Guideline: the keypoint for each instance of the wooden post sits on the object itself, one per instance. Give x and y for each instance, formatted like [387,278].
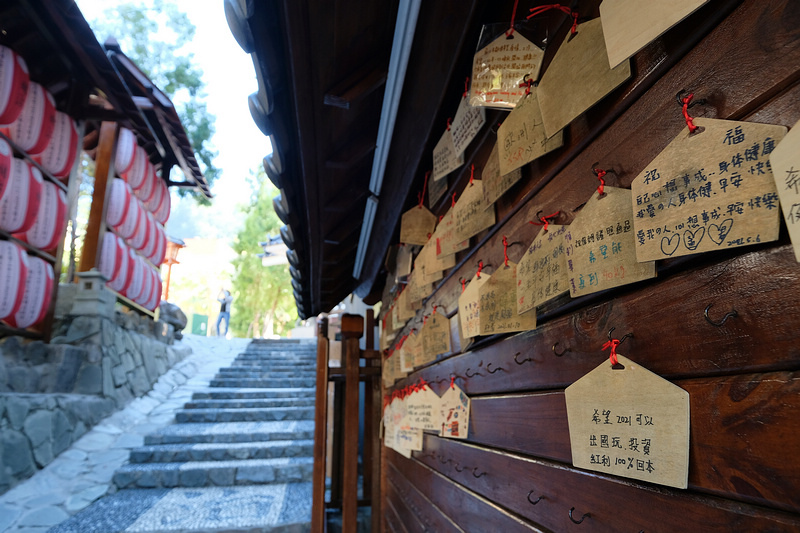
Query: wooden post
[352,329]
[320,434]
[373,440]
[103,172]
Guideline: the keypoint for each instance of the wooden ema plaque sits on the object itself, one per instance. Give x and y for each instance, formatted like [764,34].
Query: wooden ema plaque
[466,124]
[454,413]
[435,336]
[630,25]
[498,304]
[578,77]
[542,271]
[445,158]
[522,138]
[498,69]
[709,190]
[445,237]
[495,184]
[470,214]
[417,225]
[786,171]
[629,422]
[424,409]
[600,245]
[469,306]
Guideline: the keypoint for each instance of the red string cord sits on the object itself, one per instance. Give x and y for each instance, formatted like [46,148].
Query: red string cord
[421,196]
[452,382]
[480,269]
[454,201]
[471,175]
[527,84]
[541,9]
[510,30]
[613,343]
[689,120]
[434,309]
[466,87]
[463,284]
[505,250]
[544,220]
[599,172]
[449,121]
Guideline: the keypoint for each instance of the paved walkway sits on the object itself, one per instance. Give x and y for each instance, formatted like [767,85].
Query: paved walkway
[83,473]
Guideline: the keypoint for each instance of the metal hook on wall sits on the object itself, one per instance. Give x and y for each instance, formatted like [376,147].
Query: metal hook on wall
[537,500]
[498,369]
[559,354]
[516,360]
[458,469]
[623,337]
[732,314]
[477,475]
[585,515]
[472,375]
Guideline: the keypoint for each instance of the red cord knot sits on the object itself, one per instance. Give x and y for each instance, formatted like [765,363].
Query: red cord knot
[463,284]
[471,175]
[480,269]
[689,120]
[449,121]
[510,30]
[452,204]
[434,309]
[505,250]
[452,382]
[613,343]
[541,9]
[599,172]
[545,221]
[421,196]
[466,87]
[527,83]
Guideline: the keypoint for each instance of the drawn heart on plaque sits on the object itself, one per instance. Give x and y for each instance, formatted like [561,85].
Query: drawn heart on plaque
[691,239]
[670,244]
[721,231]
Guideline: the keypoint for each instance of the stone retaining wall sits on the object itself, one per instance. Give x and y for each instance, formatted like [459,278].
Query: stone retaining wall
[34,428]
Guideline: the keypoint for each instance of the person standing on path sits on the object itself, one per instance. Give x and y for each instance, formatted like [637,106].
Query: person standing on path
[225,299]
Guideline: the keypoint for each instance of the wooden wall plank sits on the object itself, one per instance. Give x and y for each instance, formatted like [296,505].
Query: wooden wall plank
[614,504]
[430,515]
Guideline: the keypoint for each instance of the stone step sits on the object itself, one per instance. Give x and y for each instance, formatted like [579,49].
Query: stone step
[194,433]
[282,374]
[214,473]
[280,361]
[245,404]
[232,451]
[252,394]
[279,356]
[276,508]
[262,383]
[185,416]
[268,365]
[306,369]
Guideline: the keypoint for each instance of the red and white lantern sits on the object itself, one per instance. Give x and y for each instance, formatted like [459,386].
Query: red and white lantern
[151,243]
[110,256]
[19,204]
[123,270]
[162,213]
[14,85]
[127,229]
[142,233]
[126,151]
[13,276]
[134,286]
[159,190]
[157,257]
[147,285]
[119,201]
[145,192]
[37,294]
[6,162]
[34,127]
[61,151]
[48,228]
[135,176]
[155,294]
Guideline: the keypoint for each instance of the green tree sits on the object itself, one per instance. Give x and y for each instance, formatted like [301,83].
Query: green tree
[262,295]
[153,37]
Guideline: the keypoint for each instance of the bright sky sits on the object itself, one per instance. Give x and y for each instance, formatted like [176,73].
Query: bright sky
[230,78]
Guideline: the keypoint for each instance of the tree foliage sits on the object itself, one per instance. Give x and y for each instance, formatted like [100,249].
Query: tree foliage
[154,36]
[262,295]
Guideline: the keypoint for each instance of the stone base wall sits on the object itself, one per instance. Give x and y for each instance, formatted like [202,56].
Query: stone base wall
[34,428]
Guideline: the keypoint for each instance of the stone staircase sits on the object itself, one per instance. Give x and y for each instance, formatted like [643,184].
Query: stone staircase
[245,443]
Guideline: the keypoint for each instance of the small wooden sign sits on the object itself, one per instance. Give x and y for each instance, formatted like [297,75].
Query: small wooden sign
[445,237]
[404,260]
[445,157]
[630,25]
[408,438]
[469,306]
[436,189]
[542,271]
[498,69]
[786,171]
[498,305]
[424,408]
[631,423]
[710,190]
[600,245]
[436,336]
[454,413]
[416,225]
[417,290]
[405,311]
[466,124]
[413,346]
[521,138]
[431,266]
[470,213]
[495,184]
[578,77]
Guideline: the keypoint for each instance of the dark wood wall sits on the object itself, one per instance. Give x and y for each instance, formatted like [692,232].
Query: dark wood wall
[743,377]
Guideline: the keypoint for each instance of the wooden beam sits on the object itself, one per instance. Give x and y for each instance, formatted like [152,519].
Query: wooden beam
[352,329]
[355,87]
[104,171]
[320,432]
